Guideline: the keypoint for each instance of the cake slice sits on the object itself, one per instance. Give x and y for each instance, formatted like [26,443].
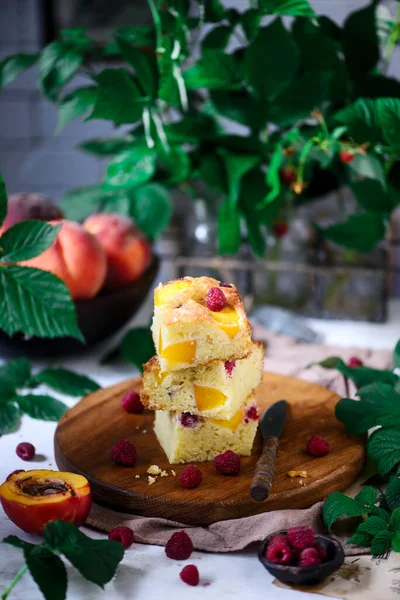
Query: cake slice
[215,390]
[186,333]
[189,438]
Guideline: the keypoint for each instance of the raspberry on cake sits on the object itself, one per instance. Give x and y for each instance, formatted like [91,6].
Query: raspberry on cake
[187,333]
[198,439]
[211,390]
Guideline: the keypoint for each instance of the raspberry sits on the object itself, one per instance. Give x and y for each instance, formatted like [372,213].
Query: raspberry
[321,551]
[124,453]
[346,157]
[227,463]
[309,558]
[279,539]
[229,366]
[215,299]
[123,535]
[354,362]
[317,446]
[280,229]
[288,175]
[190,575]
[279,552]
[131,403]
[25,450]
[252,413]
[15,472]
[190,477]
[189,420]
[301,537]
[179,546]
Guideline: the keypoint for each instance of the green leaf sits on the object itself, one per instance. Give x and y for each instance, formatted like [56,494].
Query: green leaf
[67,382]
[58,63]
[176,160]
[41,407]
[361,232]
[212,172]
[318,52]
[131,168]
[191,129]
[14,374]
[13,540]
[394,524]
[144,64]
[372,526]
[362,376]
[79,203]
[106,146]
[228,228]
[240,106]
[217,38]
[396,541]
[118,98]
[293,8]
[381,543]
[363,540]
[215,71]
[359,416]
[361,121]
[37,303]
[367,497]
[137,346]
[12,66]
[3,201]
[368,166]
[372,197]
[151,209]
[254,233]
[396,356]
[268,75]
[250,22]
[213,11]
[10,417]
[26,239]
[360,41]
[388,110]
[338,505]
[273,179]
[96,560]
[76,104]
[236,166]
[48,571]
[384,449]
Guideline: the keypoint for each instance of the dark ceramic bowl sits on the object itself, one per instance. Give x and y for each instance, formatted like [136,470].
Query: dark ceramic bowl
[98,318]
[305,575]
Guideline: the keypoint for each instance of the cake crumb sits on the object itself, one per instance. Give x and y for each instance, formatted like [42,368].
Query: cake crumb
[137,476]
[144,431]
[173,473]
[151,480]
[164,474]
[154,470]
[297,474]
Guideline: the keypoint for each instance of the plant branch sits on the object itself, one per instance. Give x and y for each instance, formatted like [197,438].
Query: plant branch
[157,23]
[14,582]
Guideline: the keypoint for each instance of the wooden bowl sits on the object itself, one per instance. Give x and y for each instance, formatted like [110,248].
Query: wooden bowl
[305,575]
[98,319]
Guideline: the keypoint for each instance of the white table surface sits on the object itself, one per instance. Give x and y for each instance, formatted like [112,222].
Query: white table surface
[146,572]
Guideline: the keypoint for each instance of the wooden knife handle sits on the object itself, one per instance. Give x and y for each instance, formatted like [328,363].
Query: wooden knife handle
[265,470]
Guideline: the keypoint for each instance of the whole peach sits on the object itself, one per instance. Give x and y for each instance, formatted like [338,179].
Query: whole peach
[76,257]
[31,499]
[127,249]
[29,205]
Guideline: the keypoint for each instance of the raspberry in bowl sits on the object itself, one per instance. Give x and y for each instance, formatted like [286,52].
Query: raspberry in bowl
[284,556]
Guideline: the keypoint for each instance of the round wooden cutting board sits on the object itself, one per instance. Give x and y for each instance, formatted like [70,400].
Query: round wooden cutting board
[87,432]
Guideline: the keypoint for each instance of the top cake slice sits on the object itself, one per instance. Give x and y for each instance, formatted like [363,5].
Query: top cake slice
[186,333]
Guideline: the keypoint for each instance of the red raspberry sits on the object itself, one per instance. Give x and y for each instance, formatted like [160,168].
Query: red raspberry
[346,157]
[252,413]
[301,537]
[123,535]
[215,299]
[229,366]
[354,362]
[309,558]
[190,575]
[317,446]
[227,463]
[25,450]
[279,539]
[189,420]
[288,175]
[321,551]
[279,552]
[124,453]
[280,229]
[131,403]
[179,546]
[15,472]
[190,477]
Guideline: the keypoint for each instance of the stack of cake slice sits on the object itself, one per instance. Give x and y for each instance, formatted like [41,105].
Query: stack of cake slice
[201,382]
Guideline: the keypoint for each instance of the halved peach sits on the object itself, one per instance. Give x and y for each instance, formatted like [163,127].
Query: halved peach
[31,499]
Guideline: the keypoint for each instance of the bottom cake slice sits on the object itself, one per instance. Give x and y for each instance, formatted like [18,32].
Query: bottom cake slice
[189,438]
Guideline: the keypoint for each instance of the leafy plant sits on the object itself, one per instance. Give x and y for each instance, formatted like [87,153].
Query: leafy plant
[319,107]
[16,398]
[136,346]
[96,560]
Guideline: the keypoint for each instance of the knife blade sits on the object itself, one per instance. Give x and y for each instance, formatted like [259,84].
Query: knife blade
[271,426]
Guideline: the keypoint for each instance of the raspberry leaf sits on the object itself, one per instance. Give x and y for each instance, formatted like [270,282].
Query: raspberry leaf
[58,63]
[339,505]
[361,232]
[13,540]
[137,346]
[215,71]
[228,228]
[396,541]
[362,376]
[48,571]
[143,63]
[384,449]
[66,381]
[394,524]
[360,41]
[3,200]
[150,206]
[372,526]
[12,66]
[293,8]
[10,417]
[26,239]
[76,104]
[381,543]
[392,494]
[367,497]
[96,560]
[130,168]
[13,375]
[396,356]
[41,407]
[363,540]
[118,98]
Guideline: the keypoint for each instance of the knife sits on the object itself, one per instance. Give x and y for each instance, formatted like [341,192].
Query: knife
[271,425]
